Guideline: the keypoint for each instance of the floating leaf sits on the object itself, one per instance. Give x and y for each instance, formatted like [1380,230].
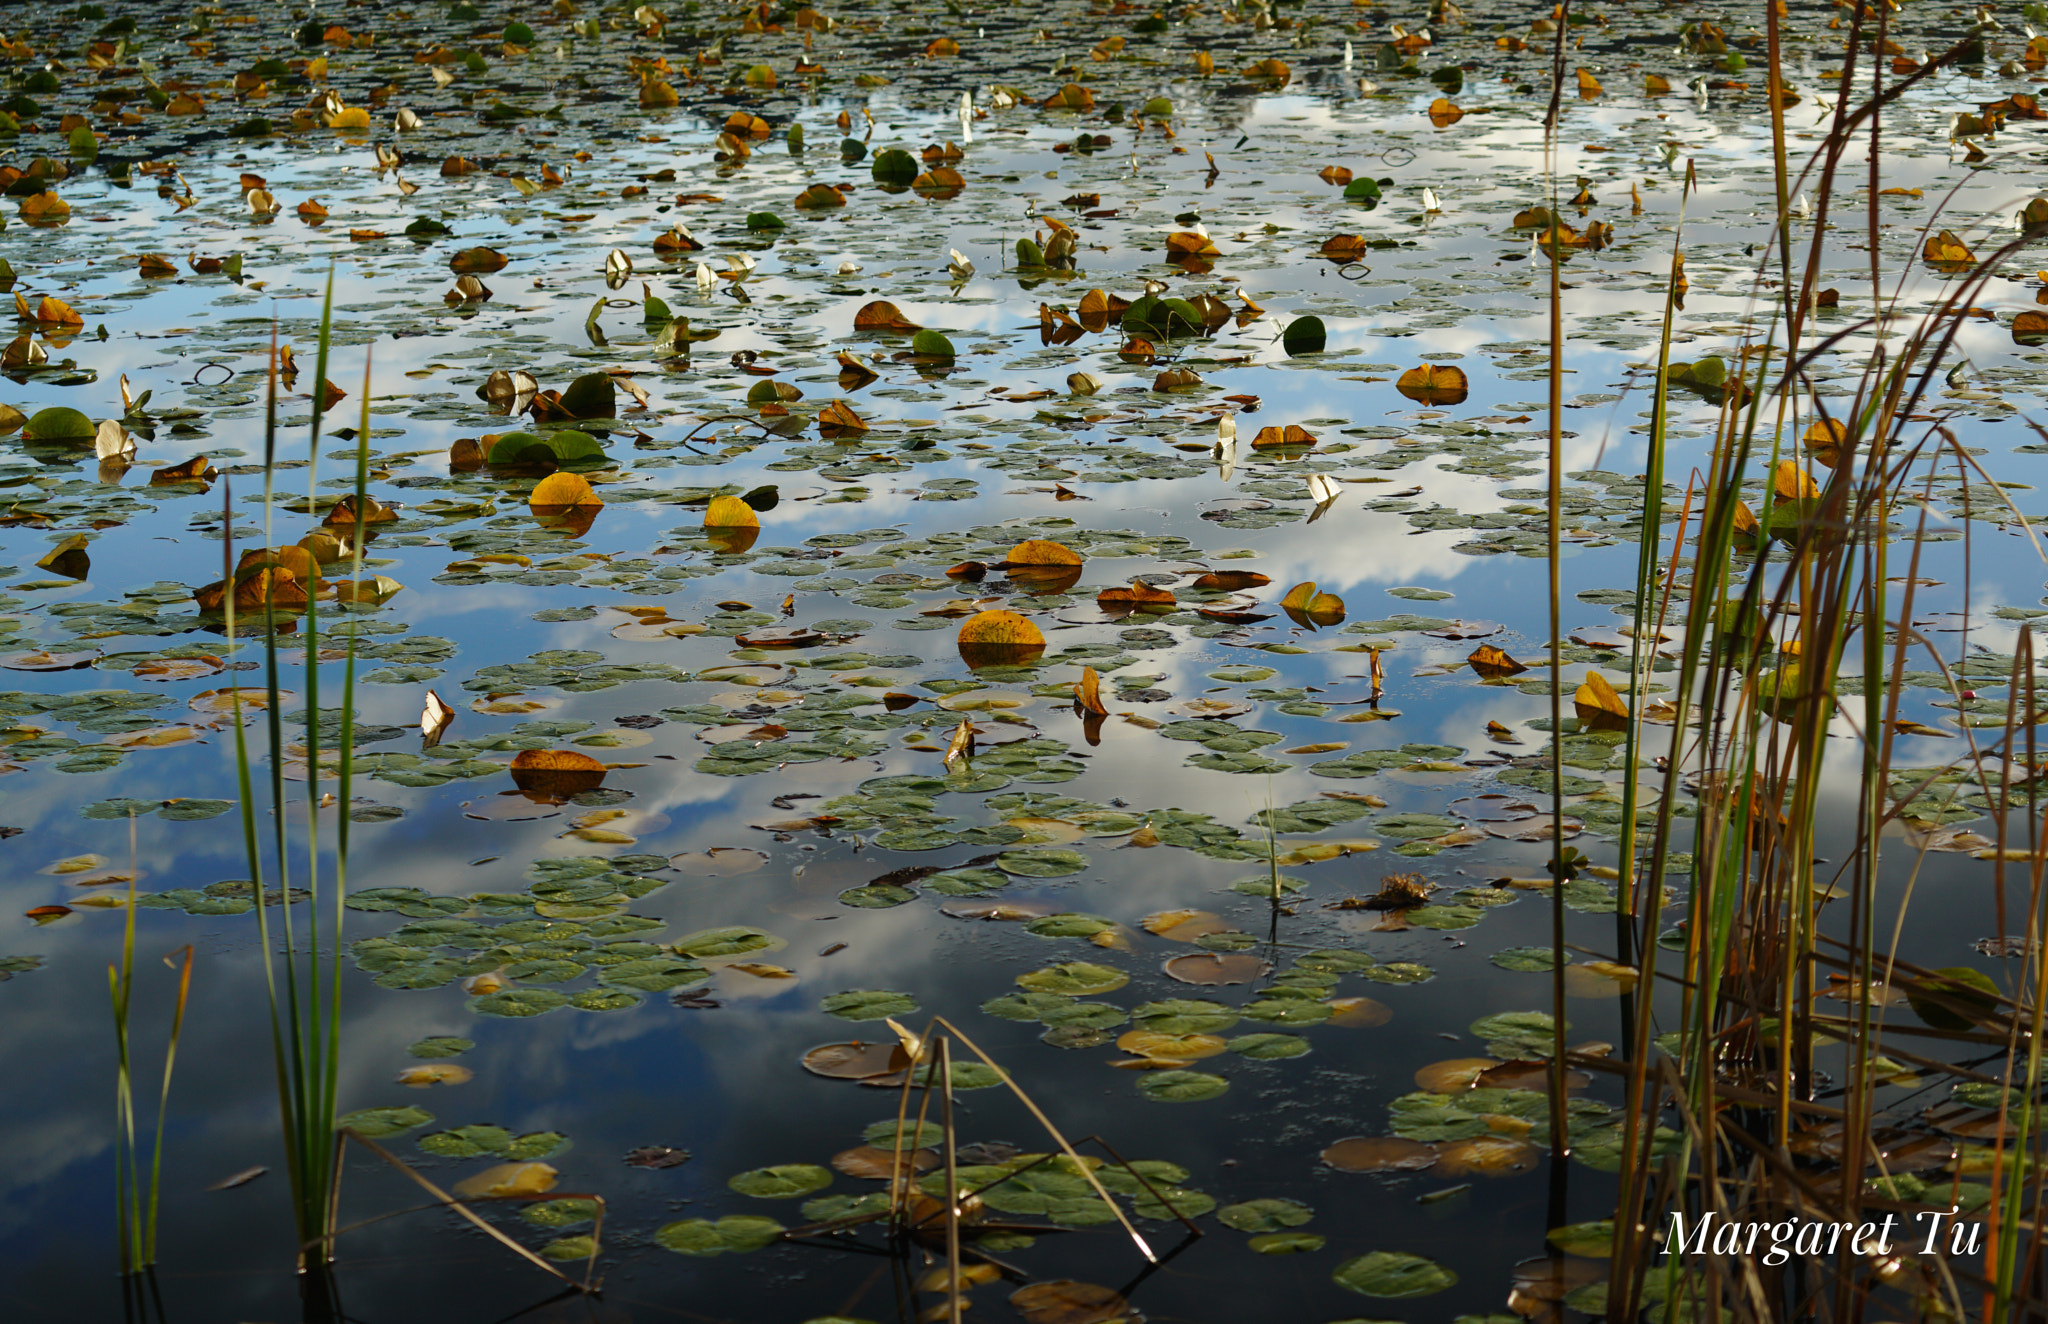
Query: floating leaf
[856,1060]
[1077,979]
[1394,1274]
[1380,1154]
[1066,1301]
[1293,434]
[1216,968]
[735,1233]
[1598,706]
[1492,663]
[1945,250]
[999,638]
[881,315]
[562,491]
[868,1005]
[1182,1086]
[783,1182]
[730,512]
[1434,384]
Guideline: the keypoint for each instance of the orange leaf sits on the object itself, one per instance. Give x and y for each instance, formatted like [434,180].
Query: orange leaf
[999,638]
[1344,248]
[555,773]
[1233,581]
[471,260]
[1434,384]
[1187,243]
[881,315]
[1088,693]
[1598,706]
[1138,595]
[1073,96]
[818,197]
[729,512]
[1276,70]
[1589,86]
[1490,662]
[1294,434]
[53,311]
[44,208]
[838,417]
[939,179]
[1945,250]
[1306,606]
[1097,307]
[1443,114]
[559,491]
[942,47]
[1337,175]
[1039,552]
[1793,483]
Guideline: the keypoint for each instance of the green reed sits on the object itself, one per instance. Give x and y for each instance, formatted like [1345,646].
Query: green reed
[302,973]
[1780,601]
[136,1198]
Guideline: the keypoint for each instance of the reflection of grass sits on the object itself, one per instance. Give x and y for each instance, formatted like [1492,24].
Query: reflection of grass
[304,989]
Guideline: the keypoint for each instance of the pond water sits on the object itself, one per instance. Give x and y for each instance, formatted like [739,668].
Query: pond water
[646,962]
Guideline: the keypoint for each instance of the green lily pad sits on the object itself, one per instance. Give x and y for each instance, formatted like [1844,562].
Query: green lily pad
[580,1247]
[782,1182]
[737,940]
[930,344]
[1027,1006]
[58,423]
[1184,1016]
[1181,1086]
[1286,1243]
[964,1076]
[1304,335]
[876,896]
[1041,863]
[867,1004]
[1528,960]
[1071,925]
[1393,1274]
[519,1002]
[654,974]
[560,1213]
[1399,972]
[1268,1047]
[1526,1035]
[1593,1241]
[893,165]
[734,1233]
[1267,1215]
[1078,979]
[914,1134]
[376,1123]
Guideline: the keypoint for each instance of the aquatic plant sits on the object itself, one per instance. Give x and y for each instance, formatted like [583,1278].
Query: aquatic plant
[304,982]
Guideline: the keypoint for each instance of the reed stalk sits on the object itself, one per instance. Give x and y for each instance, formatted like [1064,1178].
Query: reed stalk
[136,1200]
[303,983]
[1781,602]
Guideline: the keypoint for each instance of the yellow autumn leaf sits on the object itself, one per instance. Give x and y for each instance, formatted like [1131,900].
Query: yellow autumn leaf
[1598,706]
